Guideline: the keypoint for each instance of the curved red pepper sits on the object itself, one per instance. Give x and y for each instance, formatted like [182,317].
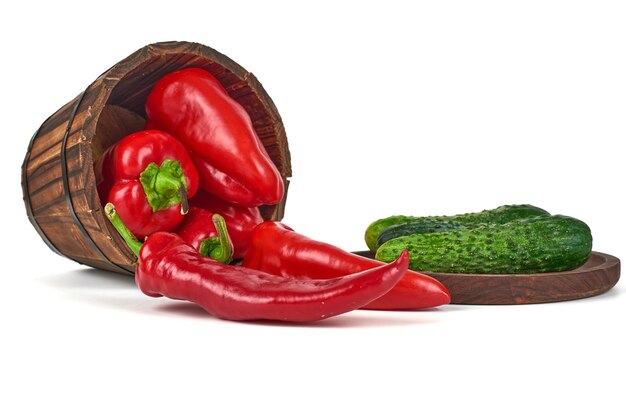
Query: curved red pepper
[148,175]
[240,221]
[170,267]
[231,160]
[277,249]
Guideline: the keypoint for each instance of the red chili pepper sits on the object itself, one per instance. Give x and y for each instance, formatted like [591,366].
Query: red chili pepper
[231,160]
[240,220]
[170,267]
[148,175]
[277,249]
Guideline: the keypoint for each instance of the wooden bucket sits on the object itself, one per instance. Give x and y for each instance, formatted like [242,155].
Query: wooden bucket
[58,179]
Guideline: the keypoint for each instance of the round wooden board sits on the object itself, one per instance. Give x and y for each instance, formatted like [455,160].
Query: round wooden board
[600,273]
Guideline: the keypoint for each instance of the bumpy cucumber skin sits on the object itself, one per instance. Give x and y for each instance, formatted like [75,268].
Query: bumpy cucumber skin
[375,228]
[418,226]
[501,214]
[533,245]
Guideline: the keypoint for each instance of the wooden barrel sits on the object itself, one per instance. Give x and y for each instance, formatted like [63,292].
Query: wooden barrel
[58,179]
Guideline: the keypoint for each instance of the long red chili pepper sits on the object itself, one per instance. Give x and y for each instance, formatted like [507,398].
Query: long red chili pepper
[231,160]
[240,220]
[277,249]
[169,267]
[148,175]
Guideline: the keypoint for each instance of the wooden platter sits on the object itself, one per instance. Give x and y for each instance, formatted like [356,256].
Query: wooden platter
[600,273]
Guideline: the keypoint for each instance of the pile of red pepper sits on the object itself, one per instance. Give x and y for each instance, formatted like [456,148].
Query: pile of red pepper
[190,185]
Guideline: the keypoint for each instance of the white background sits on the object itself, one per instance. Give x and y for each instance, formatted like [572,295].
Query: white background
[437,108]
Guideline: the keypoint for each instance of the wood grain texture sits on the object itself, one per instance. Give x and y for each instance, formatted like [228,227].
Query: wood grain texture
[58,179]
[600,273]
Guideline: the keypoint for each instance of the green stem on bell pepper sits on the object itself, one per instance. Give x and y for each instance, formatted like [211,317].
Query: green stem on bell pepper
[165,186]
[219,248]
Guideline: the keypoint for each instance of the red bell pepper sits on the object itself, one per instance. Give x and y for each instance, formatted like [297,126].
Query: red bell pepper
[168,266]
[232,162]
[149,176]
[199,230]
[240,221]
[277,249]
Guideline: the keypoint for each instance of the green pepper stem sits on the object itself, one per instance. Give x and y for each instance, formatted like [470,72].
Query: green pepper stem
[130,240]
[184,203]
[219,248]
[164,185]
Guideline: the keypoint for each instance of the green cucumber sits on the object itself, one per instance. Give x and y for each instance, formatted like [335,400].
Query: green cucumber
[376,227]
[419,226]
[427,224]
[533,245]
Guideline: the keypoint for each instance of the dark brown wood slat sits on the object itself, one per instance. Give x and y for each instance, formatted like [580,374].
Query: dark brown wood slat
[51,154]
[44,173]
[37,188]
[50,201]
